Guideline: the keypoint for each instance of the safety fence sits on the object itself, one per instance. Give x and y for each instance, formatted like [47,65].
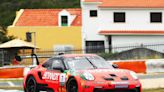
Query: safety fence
[141,66]
[154,65]
[135,65]
[138,66]
[12,72]
[116,52]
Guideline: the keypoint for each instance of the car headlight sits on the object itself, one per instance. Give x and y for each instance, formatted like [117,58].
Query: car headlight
[87,76]
[134,75]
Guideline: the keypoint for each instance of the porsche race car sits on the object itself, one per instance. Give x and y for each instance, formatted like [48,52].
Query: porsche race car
[80,73]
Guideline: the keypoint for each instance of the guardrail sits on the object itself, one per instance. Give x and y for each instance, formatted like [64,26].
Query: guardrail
[137,66]
[141,66]
[12,72]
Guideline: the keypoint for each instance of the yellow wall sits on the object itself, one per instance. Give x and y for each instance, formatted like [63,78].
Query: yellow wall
[47,37]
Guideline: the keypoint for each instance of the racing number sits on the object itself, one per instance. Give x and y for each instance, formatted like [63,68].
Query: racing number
[62,79]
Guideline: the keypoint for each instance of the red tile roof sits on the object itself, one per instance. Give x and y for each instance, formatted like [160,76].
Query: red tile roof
[131,32]
[129,3]
[46,17]
[91,0]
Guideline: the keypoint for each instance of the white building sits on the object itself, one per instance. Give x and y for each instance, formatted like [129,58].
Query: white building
[120,23]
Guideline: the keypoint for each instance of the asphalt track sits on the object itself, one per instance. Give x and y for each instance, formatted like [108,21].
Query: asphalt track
[148,81]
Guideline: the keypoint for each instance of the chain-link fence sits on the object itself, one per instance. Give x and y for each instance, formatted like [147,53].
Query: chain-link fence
[119,52]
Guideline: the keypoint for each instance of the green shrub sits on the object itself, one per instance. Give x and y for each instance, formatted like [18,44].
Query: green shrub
[108,56]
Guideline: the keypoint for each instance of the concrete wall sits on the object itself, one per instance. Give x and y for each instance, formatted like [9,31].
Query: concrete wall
[48,37]
[136,19]
[137,40]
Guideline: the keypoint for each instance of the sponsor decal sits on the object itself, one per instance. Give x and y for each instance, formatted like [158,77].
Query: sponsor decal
[51,76]
[55,77]
[121,84]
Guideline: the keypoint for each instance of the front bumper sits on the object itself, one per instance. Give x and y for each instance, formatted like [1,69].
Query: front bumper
[92,86]
[137,89]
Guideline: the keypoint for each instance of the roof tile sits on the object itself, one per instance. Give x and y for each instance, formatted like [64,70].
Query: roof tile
[129,3]
[91,0]
[46,17]
[134,32]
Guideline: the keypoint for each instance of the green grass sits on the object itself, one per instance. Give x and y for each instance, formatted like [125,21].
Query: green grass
[144,90]
[11,88]
[19,80]
[154,90]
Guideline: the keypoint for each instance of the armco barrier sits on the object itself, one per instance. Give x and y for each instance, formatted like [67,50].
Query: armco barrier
[137,66]
[27,69]
[155,65]
[142,66]
[11,72]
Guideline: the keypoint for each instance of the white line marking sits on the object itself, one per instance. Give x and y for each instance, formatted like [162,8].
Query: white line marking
[11,83]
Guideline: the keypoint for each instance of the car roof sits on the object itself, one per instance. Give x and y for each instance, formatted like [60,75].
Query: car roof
[77,55]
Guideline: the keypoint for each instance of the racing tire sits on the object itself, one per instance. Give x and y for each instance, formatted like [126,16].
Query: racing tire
[31,85]
[72,85]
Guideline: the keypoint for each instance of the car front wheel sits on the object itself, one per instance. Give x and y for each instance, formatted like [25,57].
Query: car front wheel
[72,86]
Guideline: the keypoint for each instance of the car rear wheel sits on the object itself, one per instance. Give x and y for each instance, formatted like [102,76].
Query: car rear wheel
[31,85]
[72,86]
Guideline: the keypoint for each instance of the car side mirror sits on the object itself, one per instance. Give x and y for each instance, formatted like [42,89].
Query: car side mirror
[18,58]
[115,65]
[58,68]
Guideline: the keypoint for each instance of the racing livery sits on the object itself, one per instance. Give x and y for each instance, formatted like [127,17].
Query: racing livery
[80,73]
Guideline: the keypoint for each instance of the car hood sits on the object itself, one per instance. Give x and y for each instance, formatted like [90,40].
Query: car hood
[109,74]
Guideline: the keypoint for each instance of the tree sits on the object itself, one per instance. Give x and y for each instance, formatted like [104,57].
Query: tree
[9,7]
[3,35]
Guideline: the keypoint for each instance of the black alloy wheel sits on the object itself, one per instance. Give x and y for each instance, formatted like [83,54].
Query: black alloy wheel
[72,86]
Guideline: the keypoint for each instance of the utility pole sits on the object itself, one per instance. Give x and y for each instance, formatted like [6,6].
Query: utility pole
[29,39]
[34,42]
[33,58]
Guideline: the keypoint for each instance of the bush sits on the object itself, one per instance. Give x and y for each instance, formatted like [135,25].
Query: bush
[108,56]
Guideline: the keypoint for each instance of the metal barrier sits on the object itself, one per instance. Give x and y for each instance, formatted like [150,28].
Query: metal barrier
[155,65]
[121,52]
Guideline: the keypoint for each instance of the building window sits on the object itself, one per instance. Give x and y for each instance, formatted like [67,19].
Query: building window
[155,17]
[28,36]
[64,20]
[119,16]
[93,13]
[95,46]
[63,49]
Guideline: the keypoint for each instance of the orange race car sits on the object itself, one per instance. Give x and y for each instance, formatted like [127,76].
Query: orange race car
[80,73]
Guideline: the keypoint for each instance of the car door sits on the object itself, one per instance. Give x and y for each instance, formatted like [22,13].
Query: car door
[53,75]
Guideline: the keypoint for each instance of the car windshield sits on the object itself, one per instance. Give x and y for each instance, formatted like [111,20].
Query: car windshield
[79,63]
[89,62]
[99,62]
